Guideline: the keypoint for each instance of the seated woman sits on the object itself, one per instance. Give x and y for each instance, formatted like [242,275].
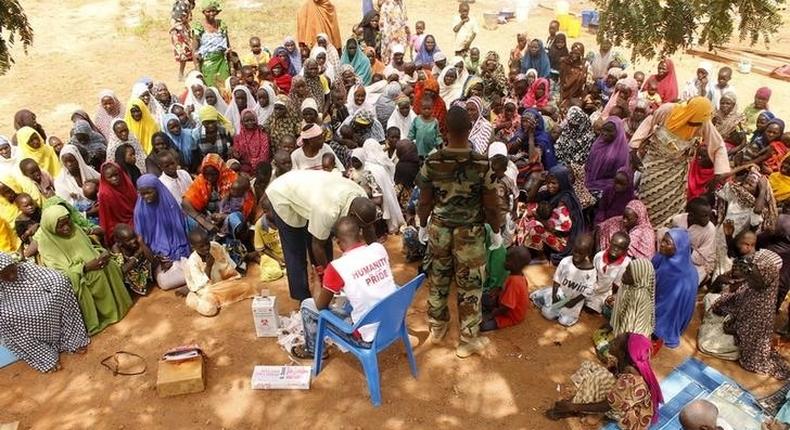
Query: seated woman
[161,224]
[553,218]
[531,147]
[95,278]
[750,305]
[117,197]
[676,286]
[125,159]
[616,196]
[39,315]
[39,178]
[251,144]
[629,394]
[608,155]
[70,180]
[11,185]
[214,133]
[634,221]
[780,184]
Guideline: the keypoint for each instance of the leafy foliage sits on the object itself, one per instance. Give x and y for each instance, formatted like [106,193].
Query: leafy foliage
[13,24]
[662,27]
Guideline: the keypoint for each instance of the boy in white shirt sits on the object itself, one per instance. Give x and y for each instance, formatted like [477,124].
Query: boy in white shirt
[363,273]
[465,29]
[610,264]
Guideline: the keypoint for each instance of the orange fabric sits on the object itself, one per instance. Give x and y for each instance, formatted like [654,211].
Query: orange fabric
[514,297]
[775,161]
[439,107]
[377,67]
[314,17]
[698,110]
[199,192]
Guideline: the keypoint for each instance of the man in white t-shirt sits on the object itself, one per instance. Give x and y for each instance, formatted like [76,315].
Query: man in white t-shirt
[177,181]
[305,205]
[610,264]
[363,274]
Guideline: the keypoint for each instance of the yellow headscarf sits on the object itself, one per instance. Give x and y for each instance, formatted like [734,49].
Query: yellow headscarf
[697,109]
[210,113]
[9,242]
[44,155]
[144,129]
[780,183]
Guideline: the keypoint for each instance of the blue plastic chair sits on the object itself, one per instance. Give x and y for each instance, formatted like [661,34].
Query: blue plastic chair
[390,313]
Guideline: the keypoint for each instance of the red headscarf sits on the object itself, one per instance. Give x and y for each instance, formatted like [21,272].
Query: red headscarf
[668,85]
[439,107]
[116,204]
[530,99]
[283,81]
[199,192]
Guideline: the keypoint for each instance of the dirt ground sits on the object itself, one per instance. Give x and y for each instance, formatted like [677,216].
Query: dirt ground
[83,46]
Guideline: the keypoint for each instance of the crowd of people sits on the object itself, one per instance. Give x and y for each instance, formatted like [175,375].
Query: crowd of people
[642,191]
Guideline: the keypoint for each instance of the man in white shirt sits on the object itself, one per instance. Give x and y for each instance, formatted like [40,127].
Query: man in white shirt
[305,205]
[722,86]
[177,181]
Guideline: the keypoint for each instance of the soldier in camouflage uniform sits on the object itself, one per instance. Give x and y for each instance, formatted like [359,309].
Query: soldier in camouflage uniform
[458,193]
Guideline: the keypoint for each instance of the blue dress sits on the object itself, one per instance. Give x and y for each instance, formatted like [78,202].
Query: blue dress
[676,289]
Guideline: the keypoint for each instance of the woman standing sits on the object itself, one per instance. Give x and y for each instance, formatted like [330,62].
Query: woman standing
[665,142]
[39,315]
[211,44]
[315,18]
[95,278]
[573,74]
[676,286]
[181,34]
[394,26]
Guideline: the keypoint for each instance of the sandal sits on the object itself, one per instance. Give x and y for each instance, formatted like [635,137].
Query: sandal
[301,352]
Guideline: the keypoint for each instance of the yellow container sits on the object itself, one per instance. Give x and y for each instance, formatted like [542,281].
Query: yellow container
[564,22]
[574,27]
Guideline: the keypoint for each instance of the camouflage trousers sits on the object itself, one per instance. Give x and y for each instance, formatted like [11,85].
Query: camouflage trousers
[456,252]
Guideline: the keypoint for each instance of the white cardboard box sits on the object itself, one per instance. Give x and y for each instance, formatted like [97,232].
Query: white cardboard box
[264,314]
[281,377]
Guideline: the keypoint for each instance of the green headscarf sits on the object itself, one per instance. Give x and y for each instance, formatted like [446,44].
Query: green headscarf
[210,4]
[60,252]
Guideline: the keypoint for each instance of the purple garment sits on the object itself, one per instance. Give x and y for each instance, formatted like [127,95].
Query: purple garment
[676,289]
[613,203]
[231,204]
[607,158]
[162,224]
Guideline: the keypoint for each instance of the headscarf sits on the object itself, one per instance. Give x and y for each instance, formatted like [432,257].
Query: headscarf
[481,132]
[566,196]
[455,91]
[209,113]
[161,224]
[359,62]
[44,155]
[557,54]
[377,67]
[279,127]
[294,57]
[331,51]
[104,119]
[726,124]
[264,112]
[391,211]
[697,109]
[315,87]
[116,204]
[82,115]
[494,82]
[639,349]
[632,85]
[199,192]
[233,114]
[220,105]
[408,163]
[385,105]
[65,183]
[633,310]
[251,146]
[96,144]
[120,159]
[398,120]
[283,81]
[329,68]
[191,99]
[676,289]
[366,117]
[10,162]
[607,158]
[423,57]
[439,107]
[183,142]
[539,62]
[369,34]
[542,139]
[667,86]
[144,129]
[576,137]
[780,184]
[115,142]
[374,153]
[531,99]
[352,105]
[25,117]
[60,252]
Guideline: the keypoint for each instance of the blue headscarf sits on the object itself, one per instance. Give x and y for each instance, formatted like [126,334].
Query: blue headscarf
[758,134]
[360,62]
[162,224]
[294,57]
[183,142]
[425,58]
[539,62]
[542,139]
[676,289]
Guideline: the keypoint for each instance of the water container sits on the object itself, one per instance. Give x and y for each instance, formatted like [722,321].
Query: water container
[574,27]
[587,16]
[562,8]
[564,21]
[522,9]
[745,66]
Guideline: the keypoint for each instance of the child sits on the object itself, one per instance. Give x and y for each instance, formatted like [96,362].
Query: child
[424,130]
[267,245]
[505,177]
[258,55]
[651,95]
[233,164]
[465,29]
[351,274]
[415,41]
[55,143]
[505,125]
[554,28]
[176,180]
[206,269]
[510,304]
[134,258]
[234,228]
[639,77]
[392,137]
[181,33]
[574,281]
[610,264]
[328,162]
[41,179]
[27,222]
[89,206]
[282,163]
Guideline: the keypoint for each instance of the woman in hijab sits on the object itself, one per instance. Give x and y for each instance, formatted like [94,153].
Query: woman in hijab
[635,222]
[117,196]
[757,107]
[12,184]
[394,26]
[8,154]
[80,114]
[452,81]
[372,159]
[294,56]
[614,199]
[780,182]
[403,116]
[330,44]
[141,123]
[39,315]
[266,97]
[354,57]
[634,304]
[214,134]
[317,20]
[97,280]
[538,95]
[89,141]
[576,138]
[121,135]
[376,66]
[557,51]
[279,69]
[163,98]
[385,105]
[31,145]
[110,109]
[212,43]
[371,34]
[283,122]
[160,222]
[750,305]
[625,95]
[553,218]
[358,99]
[609,154]
[667,81]
[242,100]
[182,141]
[424,57]
[530,136]
[662,142]
[573,74]
[480,135]
[251,144]
[629,394]
[536,58]
[125,158]
[69,182]
[494,78]
[728,121]
[676,286]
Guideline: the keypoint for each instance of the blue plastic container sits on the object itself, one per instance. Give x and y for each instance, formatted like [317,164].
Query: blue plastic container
[6,356]
[589,17]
